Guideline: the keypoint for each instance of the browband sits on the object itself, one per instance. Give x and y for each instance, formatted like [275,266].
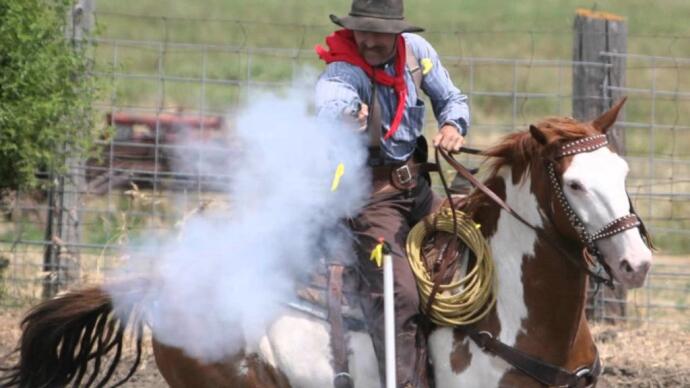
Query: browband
[586,144]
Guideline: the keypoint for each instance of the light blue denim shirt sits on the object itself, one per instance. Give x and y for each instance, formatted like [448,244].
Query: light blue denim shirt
[343,86]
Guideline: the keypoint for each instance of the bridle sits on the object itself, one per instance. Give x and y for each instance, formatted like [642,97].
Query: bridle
[587,239]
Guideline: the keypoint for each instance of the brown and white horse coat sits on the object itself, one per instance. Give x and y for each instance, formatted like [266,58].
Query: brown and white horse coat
[540,294]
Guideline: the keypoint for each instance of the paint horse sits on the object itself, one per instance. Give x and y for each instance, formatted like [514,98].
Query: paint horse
[568,188]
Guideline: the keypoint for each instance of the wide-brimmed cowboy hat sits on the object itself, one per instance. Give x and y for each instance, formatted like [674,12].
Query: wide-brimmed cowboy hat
[376,16]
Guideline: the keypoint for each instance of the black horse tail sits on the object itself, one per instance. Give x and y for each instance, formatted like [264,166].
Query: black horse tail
[65,341]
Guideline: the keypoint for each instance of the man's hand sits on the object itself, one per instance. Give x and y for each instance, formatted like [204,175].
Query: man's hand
[449,138]
[362,117]
[357,118]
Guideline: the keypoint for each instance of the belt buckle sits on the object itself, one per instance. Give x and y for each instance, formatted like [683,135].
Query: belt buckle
[404,174]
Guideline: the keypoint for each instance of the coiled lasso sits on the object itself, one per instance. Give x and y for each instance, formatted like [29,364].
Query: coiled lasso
[460,302]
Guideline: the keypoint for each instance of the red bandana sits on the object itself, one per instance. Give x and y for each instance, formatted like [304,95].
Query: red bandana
[342,47]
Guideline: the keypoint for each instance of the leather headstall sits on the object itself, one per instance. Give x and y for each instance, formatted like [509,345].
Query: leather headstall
[588,240]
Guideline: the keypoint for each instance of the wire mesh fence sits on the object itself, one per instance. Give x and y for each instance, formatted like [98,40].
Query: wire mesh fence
[171,108]
[656,138]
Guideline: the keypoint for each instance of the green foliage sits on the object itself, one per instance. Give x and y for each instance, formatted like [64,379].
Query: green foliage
[45,91]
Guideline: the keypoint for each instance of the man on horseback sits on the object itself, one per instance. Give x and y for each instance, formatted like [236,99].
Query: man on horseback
[376,69]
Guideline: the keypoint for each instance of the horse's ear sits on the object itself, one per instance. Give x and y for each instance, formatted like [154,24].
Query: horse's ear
[538,135]
[606,120]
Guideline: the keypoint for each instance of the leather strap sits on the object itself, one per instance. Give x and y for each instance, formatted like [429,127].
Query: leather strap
[544,372]
[342,377]
[470,150]
[414,68]
[441,266]
[643,228]
[321,281]
[374,127]
[465,173]
[586,144]
[616,226]
[400,177]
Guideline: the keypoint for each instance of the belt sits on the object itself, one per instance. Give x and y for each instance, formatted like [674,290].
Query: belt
[399,177]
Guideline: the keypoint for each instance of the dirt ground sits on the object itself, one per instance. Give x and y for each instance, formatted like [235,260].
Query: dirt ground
[650,356]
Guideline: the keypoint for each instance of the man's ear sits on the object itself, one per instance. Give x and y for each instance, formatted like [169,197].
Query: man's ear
[537,134]
[606,120]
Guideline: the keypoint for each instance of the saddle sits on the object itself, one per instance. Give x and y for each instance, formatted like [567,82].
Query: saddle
[331,284]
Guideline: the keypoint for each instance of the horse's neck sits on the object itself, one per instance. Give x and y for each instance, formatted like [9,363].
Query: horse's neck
[540,294]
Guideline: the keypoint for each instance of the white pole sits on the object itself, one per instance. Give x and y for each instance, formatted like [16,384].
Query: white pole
[389,316]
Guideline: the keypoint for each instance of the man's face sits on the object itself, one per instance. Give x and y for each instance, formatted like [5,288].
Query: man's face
[375,47]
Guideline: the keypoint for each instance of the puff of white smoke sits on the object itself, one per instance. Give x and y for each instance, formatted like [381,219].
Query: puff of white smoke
[221,282]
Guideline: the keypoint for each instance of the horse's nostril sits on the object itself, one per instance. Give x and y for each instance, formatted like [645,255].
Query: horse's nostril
[645,267]
[625,266]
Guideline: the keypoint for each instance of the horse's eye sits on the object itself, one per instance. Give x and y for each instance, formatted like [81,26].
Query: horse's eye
[576,186]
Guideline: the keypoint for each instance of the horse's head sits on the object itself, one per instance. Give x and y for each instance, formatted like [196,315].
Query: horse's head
[589,201]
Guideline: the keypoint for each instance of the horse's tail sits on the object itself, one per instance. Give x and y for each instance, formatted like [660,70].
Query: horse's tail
[61,337]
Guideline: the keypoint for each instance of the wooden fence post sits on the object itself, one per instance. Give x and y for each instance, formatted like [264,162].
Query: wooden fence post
[597,82]
[63,229]
[597,78]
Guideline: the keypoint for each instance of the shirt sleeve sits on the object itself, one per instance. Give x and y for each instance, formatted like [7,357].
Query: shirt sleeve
[340,89]
[449,104]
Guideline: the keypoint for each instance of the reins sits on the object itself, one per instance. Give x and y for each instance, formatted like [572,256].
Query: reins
[592,261]
[588,240]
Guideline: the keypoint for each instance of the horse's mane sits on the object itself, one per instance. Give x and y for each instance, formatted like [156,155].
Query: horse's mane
[519,149]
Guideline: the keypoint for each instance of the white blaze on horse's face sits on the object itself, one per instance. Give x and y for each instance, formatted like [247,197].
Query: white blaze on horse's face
[594,185]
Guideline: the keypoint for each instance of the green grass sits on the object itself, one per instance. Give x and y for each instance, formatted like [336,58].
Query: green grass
[472,17]
[473,28]
[26,228]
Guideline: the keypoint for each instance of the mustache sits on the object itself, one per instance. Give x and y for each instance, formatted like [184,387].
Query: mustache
[376,50]
[373,48]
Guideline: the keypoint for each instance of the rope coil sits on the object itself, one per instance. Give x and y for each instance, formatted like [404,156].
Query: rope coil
[462,301]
